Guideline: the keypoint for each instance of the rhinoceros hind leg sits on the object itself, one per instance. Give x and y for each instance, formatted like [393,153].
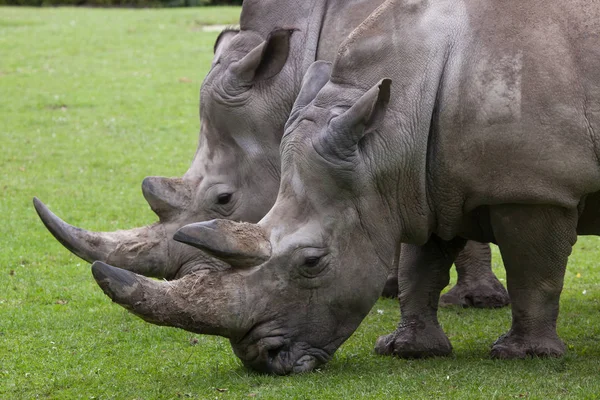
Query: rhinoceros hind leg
[535,261]
[477,286]
[511,346]
[486,294]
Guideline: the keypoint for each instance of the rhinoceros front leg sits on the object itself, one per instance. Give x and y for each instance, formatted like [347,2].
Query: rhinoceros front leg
[535,243]
[477,286]
[423,271]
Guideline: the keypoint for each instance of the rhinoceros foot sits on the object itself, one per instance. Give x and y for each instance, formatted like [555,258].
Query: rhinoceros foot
[484,293]
[511,345]
[415,339]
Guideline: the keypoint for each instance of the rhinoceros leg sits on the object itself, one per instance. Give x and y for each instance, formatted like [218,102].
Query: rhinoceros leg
[477,286]
[423,271]
[535,242]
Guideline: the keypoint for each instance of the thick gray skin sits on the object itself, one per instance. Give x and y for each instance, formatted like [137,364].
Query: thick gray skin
[246,99]
[489,132]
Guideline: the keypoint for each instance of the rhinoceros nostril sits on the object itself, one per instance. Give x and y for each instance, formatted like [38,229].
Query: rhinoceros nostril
[274,352]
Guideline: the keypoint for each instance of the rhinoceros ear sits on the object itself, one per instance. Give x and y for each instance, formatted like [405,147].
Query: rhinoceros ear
[241,245]
[266,59]
[166,195]
[347,129]
[316,77]
[223,41]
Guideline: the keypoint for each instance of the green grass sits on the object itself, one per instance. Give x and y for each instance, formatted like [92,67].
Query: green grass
[93,100]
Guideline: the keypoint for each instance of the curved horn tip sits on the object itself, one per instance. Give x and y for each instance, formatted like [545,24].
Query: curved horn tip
[149,186]
[76,240]
[166,195]
[239,244]
[117,283]
[192,233]
[40,208]
[54,224]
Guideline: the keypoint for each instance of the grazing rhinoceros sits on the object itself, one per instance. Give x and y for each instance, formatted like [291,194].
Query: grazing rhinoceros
[246,99]
[489,129]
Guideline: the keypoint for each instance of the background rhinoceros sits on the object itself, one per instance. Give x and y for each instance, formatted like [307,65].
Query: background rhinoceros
[481,133]
[245,101]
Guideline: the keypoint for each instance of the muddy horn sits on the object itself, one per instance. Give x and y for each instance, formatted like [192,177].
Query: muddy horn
[239,244]
[141,250]
[204,302]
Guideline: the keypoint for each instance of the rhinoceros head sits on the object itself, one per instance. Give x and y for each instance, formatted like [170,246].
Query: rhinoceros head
[301,280]
[234,174]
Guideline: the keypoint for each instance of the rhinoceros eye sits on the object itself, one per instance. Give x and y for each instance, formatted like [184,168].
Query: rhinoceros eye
[224,198]
[311,261]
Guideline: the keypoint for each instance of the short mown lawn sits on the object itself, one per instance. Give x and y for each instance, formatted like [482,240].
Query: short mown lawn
[94,100]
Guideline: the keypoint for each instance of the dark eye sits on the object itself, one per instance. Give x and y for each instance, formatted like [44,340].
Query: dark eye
[311,261]
[224,198]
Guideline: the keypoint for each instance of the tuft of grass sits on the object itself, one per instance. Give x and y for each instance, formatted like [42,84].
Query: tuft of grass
[91,102]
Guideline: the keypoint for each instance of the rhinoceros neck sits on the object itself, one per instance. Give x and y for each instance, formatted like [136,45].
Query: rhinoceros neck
[305,17]
[261,16]
[413,49]
[321,26]
[330,22]
[339,20]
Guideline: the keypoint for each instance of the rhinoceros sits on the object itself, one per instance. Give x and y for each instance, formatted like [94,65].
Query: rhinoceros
[245,101]
[439,121]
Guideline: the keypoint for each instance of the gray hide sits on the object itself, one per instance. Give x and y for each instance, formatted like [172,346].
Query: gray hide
[246,99]
[479,120]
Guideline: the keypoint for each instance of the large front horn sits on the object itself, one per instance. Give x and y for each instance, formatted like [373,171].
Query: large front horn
[205,302]
[142,250]
[239,244]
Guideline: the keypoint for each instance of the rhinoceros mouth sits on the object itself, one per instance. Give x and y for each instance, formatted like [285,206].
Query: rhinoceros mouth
[280,356]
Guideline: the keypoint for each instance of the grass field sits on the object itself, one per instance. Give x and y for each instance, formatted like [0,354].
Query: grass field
[91,102]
